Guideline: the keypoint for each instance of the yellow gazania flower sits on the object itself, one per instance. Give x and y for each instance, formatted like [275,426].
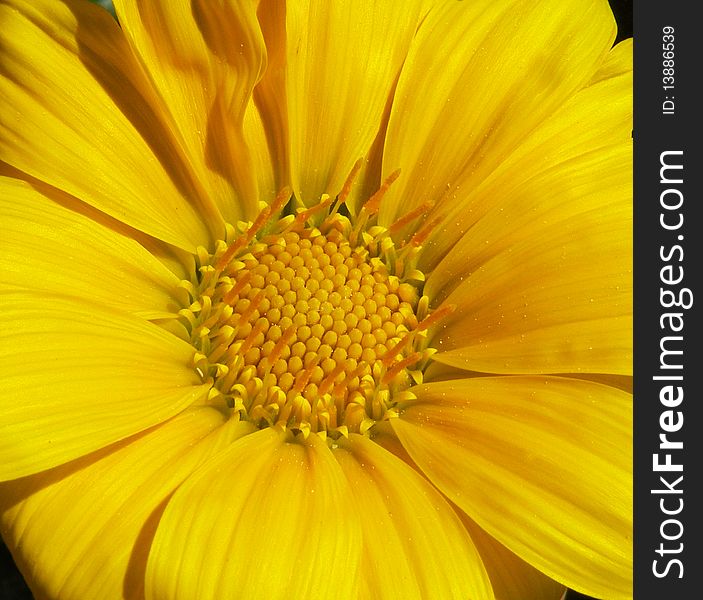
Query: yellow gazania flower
[240,362]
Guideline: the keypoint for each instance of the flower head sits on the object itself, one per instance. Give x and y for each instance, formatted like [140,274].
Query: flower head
[315,299]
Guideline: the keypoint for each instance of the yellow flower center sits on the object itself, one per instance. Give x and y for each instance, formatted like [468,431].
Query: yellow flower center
[310,327]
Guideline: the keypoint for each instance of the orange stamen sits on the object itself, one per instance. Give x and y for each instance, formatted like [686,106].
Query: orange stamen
[328,381]
[340,389]
[249,341]
[238,287]
[346,188]
[373,204]
[388,357]
[280,344]
[302,378]
[411,216]
[399,366]
[435,317]
[244,239]
[419,238]
[253,305]
[304,215]
[278,203]
[280,200]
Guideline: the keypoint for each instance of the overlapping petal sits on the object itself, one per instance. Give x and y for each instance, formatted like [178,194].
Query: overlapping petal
[57,251]
[556,296]
[556,212]
[618,62]
[479,76]
[267,518]
[77,377]
[511,577]
[204,58]
[532,187]
[414,544]
[541,464]
[84,529]
[84,120]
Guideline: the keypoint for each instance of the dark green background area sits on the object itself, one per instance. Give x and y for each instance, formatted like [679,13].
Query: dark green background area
[12,586]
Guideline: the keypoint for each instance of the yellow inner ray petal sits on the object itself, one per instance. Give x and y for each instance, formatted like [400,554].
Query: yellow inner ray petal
[332,120]
[556,301]
[511,577]
[414,544]
[294,534]
[590,134]
[505,67]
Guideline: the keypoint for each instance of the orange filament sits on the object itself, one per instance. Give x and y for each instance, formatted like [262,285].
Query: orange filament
[278,203]
[411,216]
[399,366]
[280,344]
[253,305]
[249,340]
[346,188]
[304,215]
[238,287]
[436,316]
[373,204]
[419,238]
[243,240]
[302,379]
[328,381]
[389,356]
[280,200]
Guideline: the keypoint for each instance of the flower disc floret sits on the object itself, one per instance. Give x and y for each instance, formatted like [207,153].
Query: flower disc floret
[314,328]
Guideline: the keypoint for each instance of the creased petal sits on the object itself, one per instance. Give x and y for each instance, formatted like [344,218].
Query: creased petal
[204,58]
[77,377]
[51,249]
[404,517]
[79,117]
[505,66]
[267,518]
[343,59]
[556,295]
[544,465]
[84,529]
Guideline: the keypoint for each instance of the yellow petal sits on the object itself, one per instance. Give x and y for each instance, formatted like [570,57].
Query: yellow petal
[547,175]
[264,164]
[343,59]
[77,116]
[83,530]
[618,62]
[51,249]
[479,76]
[270,100]
[555,296]
[544,465]
[267,518]
[77,377]
[204,59]
[414,544]
[511,577]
